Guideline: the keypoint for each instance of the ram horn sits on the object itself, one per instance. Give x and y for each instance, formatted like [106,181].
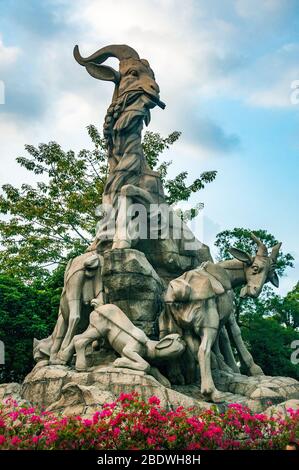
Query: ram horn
[121,52]
[262,249]
[274,252]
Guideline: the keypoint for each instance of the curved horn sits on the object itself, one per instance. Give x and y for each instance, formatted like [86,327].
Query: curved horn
[119,51]
[262,249]
[274,252]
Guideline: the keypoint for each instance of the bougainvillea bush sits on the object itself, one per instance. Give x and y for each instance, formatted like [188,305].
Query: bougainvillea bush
[131,423]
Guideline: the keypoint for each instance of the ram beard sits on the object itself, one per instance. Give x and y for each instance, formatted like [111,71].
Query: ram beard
[137,107]
[244,292]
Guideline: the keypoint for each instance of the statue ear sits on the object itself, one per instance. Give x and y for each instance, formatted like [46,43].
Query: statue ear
[274,279]
[103,72]
[240,255]
[164,343]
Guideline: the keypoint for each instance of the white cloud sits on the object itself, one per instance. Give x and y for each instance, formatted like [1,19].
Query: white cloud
[8,54]
[189,59]
[276,96]
[192,51]
[275,73]
[12,140]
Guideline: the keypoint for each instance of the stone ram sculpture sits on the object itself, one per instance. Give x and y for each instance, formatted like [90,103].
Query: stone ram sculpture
[201,302]
[135,348]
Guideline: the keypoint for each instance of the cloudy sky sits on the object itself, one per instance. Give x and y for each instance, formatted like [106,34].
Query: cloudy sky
[225,68]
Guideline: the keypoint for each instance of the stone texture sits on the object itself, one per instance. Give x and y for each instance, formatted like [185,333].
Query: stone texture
[82,393]
[131,283]
[263,388]
[12,389]
[61,389]
[76,399]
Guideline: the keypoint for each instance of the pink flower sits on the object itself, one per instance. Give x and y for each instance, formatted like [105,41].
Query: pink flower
[215,429]
[95,417]
[193,446]
[87,422]
[35,419]
[27,411]
[154,400]
[116,432]
[14,415]
[126,397]
[151,441]
[146,425]
[247,429]
[105,413]
[235,406]
[155,414]
[15,440]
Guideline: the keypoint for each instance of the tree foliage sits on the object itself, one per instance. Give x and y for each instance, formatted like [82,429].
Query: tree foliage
[286,309]
[26,311]
[43,225]
[270,345]
[240,238]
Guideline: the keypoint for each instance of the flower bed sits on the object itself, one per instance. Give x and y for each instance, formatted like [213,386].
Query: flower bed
[130,423]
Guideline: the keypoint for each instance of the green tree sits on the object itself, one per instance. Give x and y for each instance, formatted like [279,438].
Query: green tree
[41,226]
[285,309]
[240,238]
[270,345]
[26,311]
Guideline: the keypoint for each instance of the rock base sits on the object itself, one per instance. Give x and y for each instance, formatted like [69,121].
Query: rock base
[257,392]
[62,389]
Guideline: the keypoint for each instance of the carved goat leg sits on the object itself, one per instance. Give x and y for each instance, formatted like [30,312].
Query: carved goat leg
[58,335]
[227,351]
[154,371]
[132,360]
[222,365]
[120,239]
[66,351]
[234,328]
[208,336]
[125,226]
[81,342]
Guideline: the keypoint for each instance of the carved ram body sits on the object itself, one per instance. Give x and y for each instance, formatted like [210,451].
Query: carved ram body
[131,343]
[201,302]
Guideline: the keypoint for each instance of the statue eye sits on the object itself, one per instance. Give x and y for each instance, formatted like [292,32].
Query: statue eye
[133,73]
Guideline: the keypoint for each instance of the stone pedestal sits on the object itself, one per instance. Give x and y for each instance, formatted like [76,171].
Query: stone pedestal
[62,389]
[262,387]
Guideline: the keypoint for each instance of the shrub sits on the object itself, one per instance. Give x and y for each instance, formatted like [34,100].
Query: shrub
[133,424]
